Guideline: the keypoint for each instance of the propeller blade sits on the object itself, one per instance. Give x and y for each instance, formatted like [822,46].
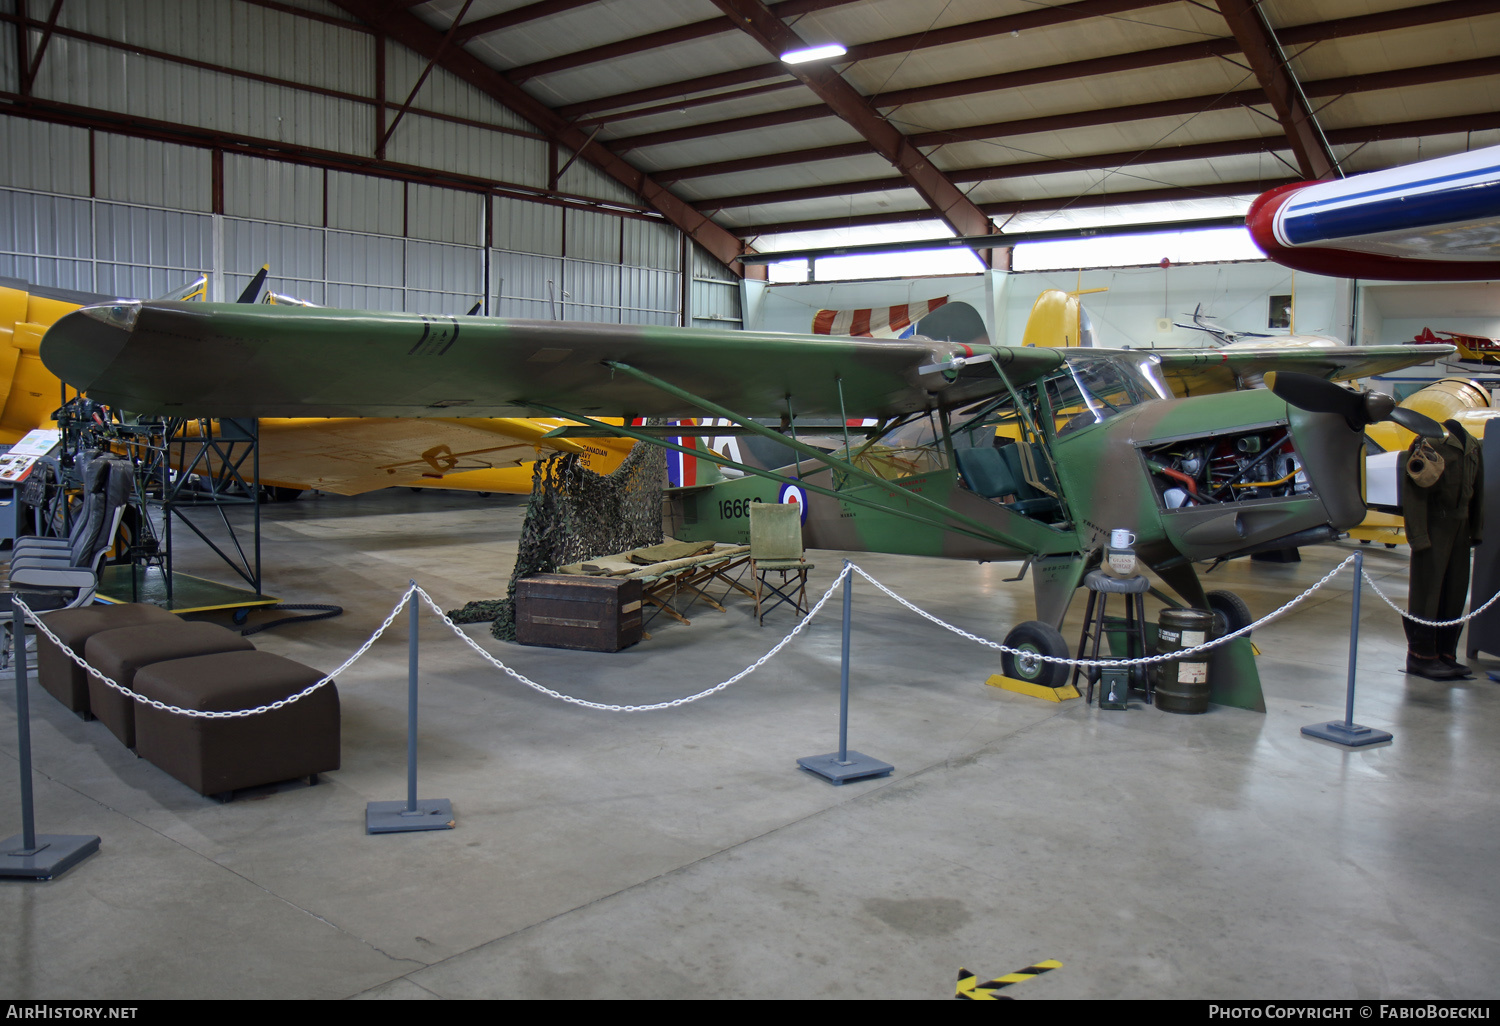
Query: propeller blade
[1417,423]
[475,308]
[252,291]
[1317,395]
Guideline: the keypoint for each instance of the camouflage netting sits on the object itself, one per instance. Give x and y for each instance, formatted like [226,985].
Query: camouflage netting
[574,514]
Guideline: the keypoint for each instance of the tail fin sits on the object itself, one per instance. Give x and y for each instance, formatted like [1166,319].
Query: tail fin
[687,471]
[1057,321]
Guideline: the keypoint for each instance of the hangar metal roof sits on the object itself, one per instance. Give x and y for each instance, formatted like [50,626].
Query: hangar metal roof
[977,115]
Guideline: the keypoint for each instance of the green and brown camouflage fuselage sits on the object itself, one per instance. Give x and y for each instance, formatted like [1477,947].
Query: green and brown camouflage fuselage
[226,360]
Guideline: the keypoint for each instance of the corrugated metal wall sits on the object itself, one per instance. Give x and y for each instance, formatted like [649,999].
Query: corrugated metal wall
[714,300]
[132,215]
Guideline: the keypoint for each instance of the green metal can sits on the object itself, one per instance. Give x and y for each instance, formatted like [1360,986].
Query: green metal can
[1182,684]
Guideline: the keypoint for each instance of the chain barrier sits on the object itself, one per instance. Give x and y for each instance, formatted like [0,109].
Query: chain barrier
[1430,623]
[817,607]
[1090,664]
[209,714]
[521,677]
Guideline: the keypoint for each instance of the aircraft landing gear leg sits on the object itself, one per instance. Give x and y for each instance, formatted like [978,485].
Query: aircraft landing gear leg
[1033,636]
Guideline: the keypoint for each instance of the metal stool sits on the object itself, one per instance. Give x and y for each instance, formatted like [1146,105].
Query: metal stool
[1101,586]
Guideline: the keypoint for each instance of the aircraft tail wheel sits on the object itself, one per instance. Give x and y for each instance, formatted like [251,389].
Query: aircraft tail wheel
[1230,611]
[240,616]
[1043,639]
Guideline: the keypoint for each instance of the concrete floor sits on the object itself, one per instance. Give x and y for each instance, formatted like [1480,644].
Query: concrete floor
[682,854]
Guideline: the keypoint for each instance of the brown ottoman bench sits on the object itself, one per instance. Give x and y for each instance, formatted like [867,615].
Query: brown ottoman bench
[119,653]
[219,756]
[64,679]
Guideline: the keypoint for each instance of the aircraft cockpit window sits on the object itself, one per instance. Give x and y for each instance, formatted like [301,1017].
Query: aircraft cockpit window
[1091,391]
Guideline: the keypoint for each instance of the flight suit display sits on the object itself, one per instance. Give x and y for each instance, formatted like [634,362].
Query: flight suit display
[1443,521]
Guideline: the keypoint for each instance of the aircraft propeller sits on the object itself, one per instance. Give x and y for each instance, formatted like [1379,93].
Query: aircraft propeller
[252,291]
[1319,395]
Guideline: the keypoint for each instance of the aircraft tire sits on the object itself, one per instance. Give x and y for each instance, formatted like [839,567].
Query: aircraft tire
[1230,611]
[1044,639]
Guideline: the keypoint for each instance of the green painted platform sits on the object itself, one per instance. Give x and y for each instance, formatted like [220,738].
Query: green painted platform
[189,594]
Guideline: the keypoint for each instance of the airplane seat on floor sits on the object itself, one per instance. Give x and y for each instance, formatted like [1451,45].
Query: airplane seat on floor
[94,473]
[985,471]
[996,473]
[1030,500]
[71,578]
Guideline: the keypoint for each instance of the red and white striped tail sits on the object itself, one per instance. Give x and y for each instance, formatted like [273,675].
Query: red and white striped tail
[881,322]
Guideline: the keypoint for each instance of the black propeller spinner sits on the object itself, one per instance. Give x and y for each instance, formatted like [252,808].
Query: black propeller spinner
[1360,409]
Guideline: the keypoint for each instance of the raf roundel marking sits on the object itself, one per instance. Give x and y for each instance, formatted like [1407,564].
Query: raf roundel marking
[795,495]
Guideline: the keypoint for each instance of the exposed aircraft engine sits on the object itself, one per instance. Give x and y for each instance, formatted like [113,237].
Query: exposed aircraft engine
[1256,464]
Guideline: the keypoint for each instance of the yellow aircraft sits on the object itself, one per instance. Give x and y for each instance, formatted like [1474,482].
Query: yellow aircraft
[343,455]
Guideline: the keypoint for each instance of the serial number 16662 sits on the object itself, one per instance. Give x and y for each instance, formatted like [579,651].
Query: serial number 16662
[731,508]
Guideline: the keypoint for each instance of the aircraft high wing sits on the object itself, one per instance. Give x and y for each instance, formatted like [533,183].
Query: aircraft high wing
[344,456]
[1435,220]
[153,358]
[1099,440]
[1193,372]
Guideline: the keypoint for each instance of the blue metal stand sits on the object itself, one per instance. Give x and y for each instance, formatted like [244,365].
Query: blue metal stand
[1349,733]
[413,814]
[843,766]
[29,855]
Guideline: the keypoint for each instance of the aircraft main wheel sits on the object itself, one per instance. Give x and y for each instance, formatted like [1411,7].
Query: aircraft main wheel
[1230,612]
[1042,639]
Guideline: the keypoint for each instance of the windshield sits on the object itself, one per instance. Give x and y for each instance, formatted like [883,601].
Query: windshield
[1089,390]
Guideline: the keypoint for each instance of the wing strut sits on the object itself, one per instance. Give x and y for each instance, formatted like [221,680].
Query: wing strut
[844,466]
[983,533]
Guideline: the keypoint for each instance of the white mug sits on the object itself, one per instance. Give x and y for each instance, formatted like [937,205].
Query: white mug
[1121,538]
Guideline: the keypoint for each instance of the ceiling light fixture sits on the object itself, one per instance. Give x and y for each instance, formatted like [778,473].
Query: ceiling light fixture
[813,53]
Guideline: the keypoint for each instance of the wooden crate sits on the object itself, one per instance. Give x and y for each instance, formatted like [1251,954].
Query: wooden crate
[596,614]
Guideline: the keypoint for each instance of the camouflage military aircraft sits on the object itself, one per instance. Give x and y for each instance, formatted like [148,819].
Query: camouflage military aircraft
[1097,439]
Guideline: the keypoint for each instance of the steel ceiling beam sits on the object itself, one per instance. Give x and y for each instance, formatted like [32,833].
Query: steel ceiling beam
[838,151]
[1010,207]
[999,172]
[518,16]
[1185,106]
[425,40]
[946,200]
[29,68]
[385,136]
[1067,71]
[1273,70]
[654,40]
[1400,78]
[1014,238]
[1037,17]
[1386,21]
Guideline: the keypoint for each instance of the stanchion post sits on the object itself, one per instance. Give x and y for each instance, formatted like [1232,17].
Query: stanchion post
[29,856]
[399,817]
[843,766]
[1349,733]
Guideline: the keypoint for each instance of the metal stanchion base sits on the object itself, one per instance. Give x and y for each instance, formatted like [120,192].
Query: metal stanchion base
[856,767]
[1351,735]
[53,855]
[392,817]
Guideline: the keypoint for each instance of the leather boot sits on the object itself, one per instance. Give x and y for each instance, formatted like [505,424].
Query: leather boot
[1421,653]
[1447,651]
